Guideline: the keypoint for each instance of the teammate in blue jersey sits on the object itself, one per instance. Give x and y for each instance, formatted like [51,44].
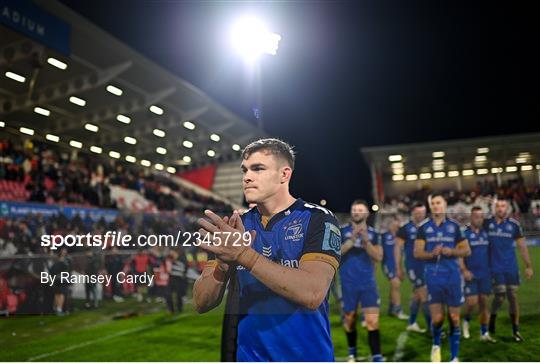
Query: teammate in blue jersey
[503,232]
[388,241]
[414,267]
[279,273]
[440,243]
[475,270]
[360,251]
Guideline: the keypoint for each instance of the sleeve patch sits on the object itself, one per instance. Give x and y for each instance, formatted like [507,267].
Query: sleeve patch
[332,238]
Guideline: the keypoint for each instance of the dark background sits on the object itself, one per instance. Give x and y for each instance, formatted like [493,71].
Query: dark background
[350,74]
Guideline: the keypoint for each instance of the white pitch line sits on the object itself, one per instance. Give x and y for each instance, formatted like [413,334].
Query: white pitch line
[400,345]
[90,342]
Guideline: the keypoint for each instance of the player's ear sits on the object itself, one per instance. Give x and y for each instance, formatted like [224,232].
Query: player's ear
[285,174]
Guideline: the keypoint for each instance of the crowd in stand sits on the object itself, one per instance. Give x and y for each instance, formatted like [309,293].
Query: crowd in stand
[57,176]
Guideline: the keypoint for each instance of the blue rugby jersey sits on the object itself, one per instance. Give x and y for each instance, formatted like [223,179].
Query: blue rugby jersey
[272,328]
[449,234]
[501,237]
[408,234]
[478,261]
[388,242]
[356,265]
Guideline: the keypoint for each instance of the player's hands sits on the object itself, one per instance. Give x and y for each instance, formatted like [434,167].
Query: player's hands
[529,273]
[447,251]
[437,250]
[225,250]
[467,275]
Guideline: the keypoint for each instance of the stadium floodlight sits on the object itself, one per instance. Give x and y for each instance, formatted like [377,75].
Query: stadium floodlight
[467,172]
[526,167]
[42,111]
[96,149]
[52,137]
[189,125]
[91,127]
[2,124]
[215,137]
[482,150]
[123,119]
[130,140]
[146,163]
[425,176]
[322,202]
[439,174]
[171,169]
[411,177]
[438,167]
[251,38]
[187,144]
[482,171]
[524,154]
[397,165]
[159,133]
[453,173]
[480,158]
[114,90]
[236,147]
[131,158]
[16,77]
[511,169]
[521,160]
[397,177]
[438,162]
[186,159]
[57,63]
[159,166]
[157,110]
[395,158]
[496,170]
[437,154]
[78,101]
[27,131]
[537,167]
[114,154]
[76,144]
[398,171]
[374,207]
[161,150]
[211,153]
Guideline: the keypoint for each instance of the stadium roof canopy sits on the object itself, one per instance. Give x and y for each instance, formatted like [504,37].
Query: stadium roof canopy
[439,159]
[68,66]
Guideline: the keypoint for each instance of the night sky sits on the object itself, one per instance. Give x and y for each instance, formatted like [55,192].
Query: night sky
[350,74]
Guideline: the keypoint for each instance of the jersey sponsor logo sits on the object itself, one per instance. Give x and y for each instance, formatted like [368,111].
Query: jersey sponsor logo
[289,263]
[294,233]
[509,228]
[332,238]
[451,229]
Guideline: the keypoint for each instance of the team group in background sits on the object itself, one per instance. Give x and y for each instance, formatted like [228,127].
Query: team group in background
[450,267]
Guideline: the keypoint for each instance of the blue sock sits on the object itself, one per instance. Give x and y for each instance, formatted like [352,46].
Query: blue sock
[515,328]
[427,314]
[414,312]
[437,331]
[483,329]
[454,342]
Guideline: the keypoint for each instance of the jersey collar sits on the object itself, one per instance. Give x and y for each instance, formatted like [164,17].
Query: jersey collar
[280,215]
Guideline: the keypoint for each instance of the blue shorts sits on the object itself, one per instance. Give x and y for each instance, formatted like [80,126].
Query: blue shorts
[445,290]
[478,286]
[416,276]
[365,294]
[505,279]
[389,271]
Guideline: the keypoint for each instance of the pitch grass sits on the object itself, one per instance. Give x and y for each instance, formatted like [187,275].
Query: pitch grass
[134,331]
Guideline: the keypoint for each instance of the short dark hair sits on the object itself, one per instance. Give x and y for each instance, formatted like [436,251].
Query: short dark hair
[476,208]
[360,201]
[437,194]
[417,205]
[272,146]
